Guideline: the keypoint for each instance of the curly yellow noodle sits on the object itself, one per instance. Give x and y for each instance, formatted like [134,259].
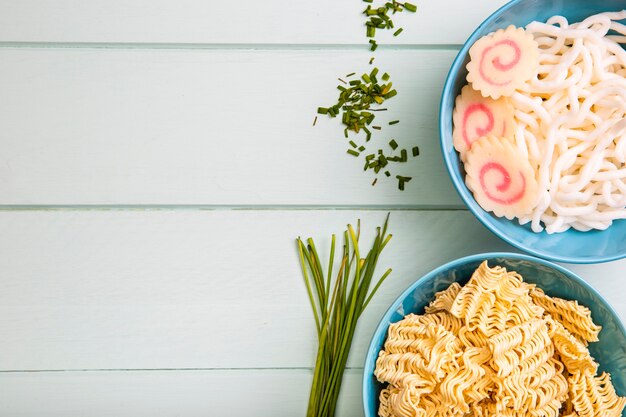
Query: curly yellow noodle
[495,347]
[443,299]
[574,317]
[574,355]
[594,395]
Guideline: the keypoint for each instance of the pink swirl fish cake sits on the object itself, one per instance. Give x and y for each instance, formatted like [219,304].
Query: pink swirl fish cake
[501,178]
[502,62]
[475,116]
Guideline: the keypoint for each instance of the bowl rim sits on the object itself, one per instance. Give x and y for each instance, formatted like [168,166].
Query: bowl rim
[469,201]
[384,321]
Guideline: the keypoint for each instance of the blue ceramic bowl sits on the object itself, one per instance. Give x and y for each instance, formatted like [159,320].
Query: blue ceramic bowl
[571,246]
[609,352]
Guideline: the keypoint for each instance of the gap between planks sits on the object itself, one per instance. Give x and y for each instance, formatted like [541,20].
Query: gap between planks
[236,207]
[257,369]
[226,46]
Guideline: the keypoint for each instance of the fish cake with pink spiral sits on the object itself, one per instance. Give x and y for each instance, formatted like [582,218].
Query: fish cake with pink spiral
[475,116]
[501,178]
[502,62]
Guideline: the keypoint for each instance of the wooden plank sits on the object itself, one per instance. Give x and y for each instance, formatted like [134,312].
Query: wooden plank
[200,289]
[243,22]
[208,127]
[259,393]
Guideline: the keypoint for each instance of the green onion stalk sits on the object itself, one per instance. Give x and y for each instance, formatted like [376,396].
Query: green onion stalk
[337,305]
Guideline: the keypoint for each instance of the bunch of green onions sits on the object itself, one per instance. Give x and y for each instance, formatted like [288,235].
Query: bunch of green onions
[337,305]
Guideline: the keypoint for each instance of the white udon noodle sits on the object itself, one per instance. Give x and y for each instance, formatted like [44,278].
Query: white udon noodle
[571,123]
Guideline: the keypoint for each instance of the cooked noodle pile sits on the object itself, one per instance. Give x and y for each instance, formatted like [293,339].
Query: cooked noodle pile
[570,123]
[494,347]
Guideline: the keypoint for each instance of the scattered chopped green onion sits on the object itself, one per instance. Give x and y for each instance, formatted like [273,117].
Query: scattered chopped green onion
[394,122]
[410,7]
[393,144]
[397,32]
[416,150]
[353,152]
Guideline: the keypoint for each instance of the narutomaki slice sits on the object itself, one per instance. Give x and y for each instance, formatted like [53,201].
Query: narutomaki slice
[475,116]
[502,62]
[501,178]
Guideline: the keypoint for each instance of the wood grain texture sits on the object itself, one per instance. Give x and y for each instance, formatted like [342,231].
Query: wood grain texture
[199,289]
[173,127]
[243,22]
[258,393]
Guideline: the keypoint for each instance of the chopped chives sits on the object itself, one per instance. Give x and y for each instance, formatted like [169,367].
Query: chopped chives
[368,134]
[314,120]
[342,81]
[393,144]
[352,144]
[387,173]
[371,60]
[385,77]
[366,78]
[361,148]
[369,157]
[394,122]
[353,152]
[403,155]
[391,94]
[322,110]
[374,45]
[376,127]
[374,73]
[402,180]
[416,150]
[410,7]
[368,1]
[374,182]
[350,75]
[397,32]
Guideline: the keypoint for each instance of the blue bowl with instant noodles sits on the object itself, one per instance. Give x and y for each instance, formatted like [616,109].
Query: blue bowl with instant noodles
[571,246]
[609,352]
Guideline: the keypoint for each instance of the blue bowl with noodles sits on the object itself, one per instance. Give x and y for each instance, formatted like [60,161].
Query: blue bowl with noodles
[571,246]
[609,352]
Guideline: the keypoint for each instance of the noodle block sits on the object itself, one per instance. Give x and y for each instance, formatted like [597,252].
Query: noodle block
[502,62]
[501,179]
[475,116]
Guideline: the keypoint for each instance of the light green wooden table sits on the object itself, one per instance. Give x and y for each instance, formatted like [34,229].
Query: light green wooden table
[157,161]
